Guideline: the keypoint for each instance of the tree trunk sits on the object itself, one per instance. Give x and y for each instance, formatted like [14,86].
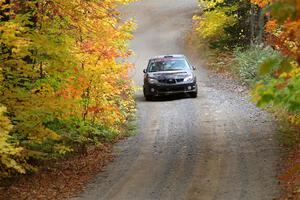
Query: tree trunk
[261,27]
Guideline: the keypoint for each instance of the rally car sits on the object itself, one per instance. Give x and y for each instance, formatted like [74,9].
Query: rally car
[169,74]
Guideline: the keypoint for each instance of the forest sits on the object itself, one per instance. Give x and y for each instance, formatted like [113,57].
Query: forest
[65,84]
[258,42]
[264,37]
[261,37]
[64,79]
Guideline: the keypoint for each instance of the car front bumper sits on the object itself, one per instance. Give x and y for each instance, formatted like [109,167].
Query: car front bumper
[168,89]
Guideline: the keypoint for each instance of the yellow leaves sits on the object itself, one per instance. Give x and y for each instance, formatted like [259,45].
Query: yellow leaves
[40,133]
[210,4]
[196,18]
[11,164]
[5,125]
[63,76]
[10,32]
[294,119]
[125,1]
[62,149]
[255,92]
[8,151]
[210,26]
[101,40]
[293,73]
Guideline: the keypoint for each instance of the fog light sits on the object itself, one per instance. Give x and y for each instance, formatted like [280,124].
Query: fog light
[152,90]
[189,87]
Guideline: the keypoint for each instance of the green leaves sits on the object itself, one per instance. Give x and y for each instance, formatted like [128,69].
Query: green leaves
[275,63]
[281,10]
[284,86]
[285,66]
[267,66]
[279,91]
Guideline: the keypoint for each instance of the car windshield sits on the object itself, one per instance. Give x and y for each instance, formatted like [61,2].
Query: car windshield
[167,65]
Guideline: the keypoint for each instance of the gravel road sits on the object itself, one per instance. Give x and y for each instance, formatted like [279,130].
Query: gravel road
[216,147]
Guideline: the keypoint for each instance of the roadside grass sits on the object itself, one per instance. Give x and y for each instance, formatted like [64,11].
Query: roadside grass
[246,63]
[132,127]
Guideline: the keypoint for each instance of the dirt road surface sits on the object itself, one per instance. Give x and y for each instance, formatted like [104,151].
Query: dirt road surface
[216,147]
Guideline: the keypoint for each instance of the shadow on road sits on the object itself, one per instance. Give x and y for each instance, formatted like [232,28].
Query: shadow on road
[141,98]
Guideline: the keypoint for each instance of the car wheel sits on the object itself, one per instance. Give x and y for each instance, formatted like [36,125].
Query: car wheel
[194,94]
[148,97]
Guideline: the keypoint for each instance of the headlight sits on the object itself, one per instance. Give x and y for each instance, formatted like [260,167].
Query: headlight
[188,78]
[152,80]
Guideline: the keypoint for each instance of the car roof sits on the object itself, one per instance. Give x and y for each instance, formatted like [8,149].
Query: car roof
[168,56]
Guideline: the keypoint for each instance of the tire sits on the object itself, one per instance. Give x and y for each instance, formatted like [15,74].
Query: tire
[194,94]
[148,97]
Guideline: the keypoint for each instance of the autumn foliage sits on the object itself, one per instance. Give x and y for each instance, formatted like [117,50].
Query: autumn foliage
[259,23]
[268,62]
[63,78]
[283,34]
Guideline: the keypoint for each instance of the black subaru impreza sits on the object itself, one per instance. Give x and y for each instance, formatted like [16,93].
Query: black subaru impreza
[169,74]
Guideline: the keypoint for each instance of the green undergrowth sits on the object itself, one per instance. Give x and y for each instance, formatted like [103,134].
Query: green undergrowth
[247,62]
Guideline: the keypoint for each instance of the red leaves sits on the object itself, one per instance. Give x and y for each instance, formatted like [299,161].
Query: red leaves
[104,51]
[291,175]
[271,26]
[284,30]
[95,109]
[74,87]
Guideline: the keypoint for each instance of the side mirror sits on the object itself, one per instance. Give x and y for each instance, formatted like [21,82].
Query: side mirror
[144,70]
[194,68]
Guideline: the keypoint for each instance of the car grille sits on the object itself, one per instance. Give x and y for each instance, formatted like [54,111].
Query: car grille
[181,88]
[168,81]
[171,81]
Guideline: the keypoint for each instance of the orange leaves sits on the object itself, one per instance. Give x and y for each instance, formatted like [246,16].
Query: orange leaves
[284,27]
[73,88]
[287,40]
[292,29]
[261,3]
[102,50]
[109,53]
[271,26]
[284,23]
[87,47]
